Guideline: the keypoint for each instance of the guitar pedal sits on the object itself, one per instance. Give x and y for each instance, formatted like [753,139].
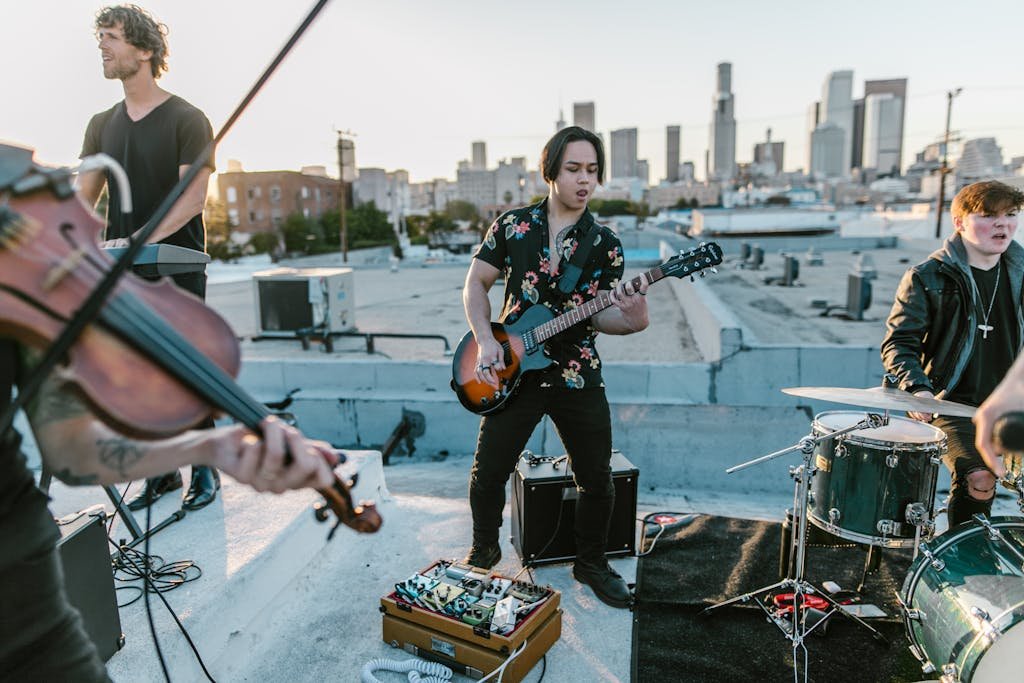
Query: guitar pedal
[527,592]
[497,588]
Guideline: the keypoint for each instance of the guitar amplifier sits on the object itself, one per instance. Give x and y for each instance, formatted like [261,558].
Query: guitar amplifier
[89,581]
[544,510]
[292,299]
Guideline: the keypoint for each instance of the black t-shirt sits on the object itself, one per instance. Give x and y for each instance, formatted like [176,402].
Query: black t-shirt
[151,151]
[994,350]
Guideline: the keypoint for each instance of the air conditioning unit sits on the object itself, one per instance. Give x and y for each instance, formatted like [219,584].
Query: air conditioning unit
[289,300]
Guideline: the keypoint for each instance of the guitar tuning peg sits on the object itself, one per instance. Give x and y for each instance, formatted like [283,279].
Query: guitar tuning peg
[693,279]
[703,273]
[714,270]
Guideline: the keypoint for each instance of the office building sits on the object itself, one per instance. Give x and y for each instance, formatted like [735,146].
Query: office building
[897,87]
[883,114]
[623,153]
[837,109]
[479,161]
[722,146]
[583,115]
[672,153]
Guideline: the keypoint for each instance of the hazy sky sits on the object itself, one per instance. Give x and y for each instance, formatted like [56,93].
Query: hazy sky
[418,81]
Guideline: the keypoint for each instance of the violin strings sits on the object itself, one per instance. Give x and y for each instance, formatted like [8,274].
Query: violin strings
[180,357]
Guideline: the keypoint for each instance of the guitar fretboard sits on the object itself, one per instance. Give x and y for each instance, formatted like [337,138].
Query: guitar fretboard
[547,330]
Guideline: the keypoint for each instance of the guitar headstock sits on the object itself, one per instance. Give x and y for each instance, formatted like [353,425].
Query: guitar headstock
[690,262]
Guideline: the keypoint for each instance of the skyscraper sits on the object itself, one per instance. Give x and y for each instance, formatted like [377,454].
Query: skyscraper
[623,162]
[898,88]
[479,156]
[827,157]
[583,115]
[722,146]
[837,109]
[768,155]
[882,117]
[560,123]
[672,153]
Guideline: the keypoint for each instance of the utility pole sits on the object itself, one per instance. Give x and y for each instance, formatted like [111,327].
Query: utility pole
[343,193]
[945,163]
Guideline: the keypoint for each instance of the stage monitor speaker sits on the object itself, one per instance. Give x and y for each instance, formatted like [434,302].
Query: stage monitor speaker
[89,581]
[292,299]
[543,497]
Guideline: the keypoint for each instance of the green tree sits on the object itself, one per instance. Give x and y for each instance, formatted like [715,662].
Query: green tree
[302,235]
[459,210]
[218,231]
[265,242]
[368,227]
[612,207]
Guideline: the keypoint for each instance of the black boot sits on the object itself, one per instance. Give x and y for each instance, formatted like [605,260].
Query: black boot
[203,489]
[154,488]
[608,586]
[483,555]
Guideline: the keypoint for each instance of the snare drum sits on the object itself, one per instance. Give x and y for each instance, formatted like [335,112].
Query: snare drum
[875,486]
[963,602]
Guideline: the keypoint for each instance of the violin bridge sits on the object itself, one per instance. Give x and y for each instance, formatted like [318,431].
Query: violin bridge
[60,271]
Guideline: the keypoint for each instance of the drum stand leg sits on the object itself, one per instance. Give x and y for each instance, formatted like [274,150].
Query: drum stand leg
[871,564]
[796,629]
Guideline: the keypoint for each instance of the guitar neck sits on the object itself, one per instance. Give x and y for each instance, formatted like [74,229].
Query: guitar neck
[600,302]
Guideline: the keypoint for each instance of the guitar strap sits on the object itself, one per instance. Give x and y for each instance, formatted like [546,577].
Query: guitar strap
[574,269]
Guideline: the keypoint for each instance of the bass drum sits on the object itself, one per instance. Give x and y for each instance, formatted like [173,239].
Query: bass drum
[963,602]
[875,486]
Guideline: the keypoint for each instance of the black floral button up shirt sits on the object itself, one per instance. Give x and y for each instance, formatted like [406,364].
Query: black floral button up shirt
[517,244]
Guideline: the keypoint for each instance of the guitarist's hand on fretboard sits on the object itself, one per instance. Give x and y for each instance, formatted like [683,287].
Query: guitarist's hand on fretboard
[628,312]
[490,360]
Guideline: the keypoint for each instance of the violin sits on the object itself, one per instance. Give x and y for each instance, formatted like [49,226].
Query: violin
[156,361]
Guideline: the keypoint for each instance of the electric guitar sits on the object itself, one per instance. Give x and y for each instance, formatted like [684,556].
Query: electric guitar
[523,340]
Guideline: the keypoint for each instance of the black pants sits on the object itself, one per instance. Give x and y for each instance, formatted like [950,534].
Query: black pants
[583,421]
[961,459]
[41,634]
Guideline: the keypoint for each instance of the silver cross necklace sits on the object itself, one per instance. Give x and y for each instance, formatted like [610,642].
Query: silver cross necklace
[985,327]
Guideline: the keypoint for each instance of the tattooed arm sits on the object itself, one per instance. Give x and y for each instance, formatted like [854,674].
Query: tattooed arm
[80,449]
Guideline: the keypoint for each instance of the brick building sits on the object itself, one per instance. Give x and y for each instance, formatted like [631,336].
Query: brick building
[260,201]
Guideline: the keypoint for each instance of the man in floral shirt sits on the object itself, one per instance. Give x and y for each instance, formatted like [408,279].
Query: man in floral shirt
[531,248]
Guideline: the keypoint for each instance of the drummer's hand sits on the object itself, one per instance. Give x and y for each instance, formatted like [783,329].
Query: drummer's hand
[923,417]
[988,412]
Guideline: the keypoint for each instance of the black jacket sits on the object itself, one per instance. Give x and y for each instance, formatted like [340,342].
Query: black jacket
[931,329]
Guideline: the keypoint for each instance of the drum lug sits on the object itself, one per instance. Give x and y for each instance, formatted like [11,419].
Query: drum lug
[950,674]
[915,614]
[888,527]
[892,460]
[936,563]
[834,516]
[840,450]
[917,515]
[935,460]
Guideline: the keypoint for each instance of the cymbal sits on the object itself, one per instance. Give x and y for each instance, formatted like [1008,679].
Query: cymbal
[884,398]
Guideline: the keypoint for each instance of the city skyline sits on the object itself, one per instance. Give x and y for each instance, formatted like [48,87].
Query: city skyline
[418,84]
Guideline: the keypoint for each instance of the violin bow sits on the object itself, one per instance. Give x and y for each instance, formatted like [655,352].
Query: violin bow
[91,306]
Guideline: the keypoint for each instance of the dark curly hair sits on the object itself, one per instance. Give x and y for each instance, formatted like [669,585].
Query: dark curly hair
[141,30]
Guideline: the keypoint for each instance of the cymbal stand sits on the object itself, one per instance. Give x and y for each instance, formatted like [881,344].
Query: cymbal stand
[798,630]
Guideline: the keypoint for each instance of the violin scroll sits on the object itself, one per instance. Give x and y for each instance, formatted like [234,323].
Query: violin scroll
[364,517]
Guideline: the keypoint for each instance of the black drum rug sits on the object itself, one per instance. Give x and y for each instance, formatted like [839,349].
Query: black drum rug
[704,560]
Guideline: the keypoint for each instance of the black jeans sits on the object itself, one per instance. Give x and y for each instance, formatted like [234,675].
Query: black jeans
[583,421]
[961,459]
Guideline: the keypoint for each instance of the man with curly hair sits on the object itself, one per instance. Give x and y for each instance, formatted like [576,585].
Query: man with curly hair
[155,136]
[532,248]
